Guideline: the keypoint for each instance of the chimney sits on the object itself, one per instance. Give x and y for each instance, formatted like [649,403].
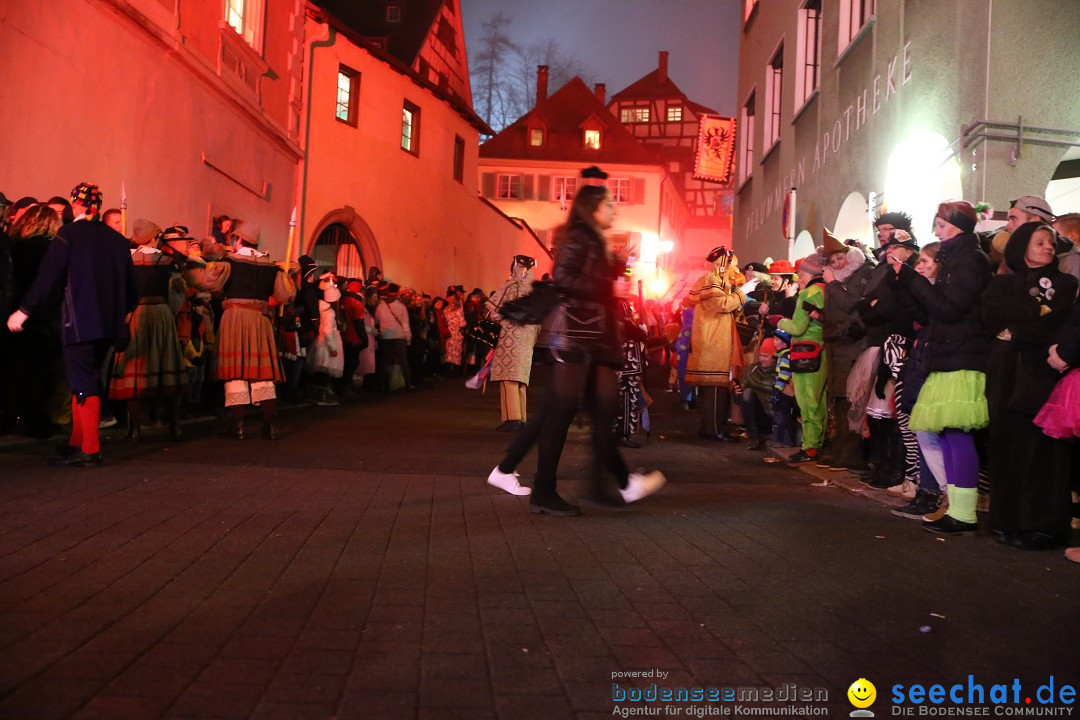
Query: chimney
[601,92]
[541,83]
[661,76]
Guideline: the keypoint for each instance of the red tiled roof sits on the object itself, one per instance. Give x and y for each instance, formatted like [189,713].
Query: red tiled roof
[650,87]
[563,114]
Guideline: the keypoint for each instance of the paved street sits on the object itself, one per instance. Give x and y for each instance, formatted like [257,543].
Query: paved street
[361,568]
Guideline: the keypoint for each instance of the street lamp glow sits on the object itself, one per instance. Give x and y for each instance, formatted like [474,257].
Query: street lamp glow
[920,175]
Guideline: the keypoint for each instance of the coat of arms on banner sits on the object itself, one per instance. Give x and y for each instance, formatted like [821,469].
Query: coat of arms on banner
[715,159]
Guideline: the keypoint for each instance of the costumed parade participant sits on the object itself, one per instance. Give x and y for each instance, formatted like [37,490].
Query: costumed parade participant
[716,353]
[90,263]
[807,356]
[246,358]
[151,368]
[512,365]
[1030,471]
[326,361]
[454,316]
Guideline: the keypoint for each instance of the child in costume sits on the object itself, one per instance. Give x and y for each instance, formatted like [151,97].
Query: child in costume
[806,326]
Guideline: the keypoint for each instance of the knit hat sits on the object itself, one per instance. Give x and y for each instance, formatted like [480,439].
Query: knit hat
[832,245]
[769,347]
[89,196]
[389,290]
[593,173]
[308,268]
[781,267]
[143,231]
[814,264]
[247,232]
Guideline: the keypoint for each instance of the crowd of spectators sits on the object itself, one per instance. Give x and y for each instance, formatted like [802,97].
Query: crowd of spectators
[943,372]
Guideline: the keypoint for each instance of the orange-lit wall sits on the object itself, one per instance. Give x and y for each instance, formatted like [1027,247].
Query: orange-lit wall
[429,229]
[131,91]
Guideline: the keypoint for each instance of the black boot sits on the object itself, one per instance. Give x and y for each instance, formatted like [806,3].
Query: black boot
[134,415]
[269,412]
[236,422]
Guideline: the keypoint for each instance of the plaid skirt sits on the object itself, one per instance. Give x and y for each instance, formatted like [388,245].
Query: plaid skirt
[152,365]
[246,348]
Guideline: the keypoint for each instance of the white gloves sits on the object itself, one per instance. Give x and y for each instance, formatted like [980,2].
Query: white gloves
[749,286]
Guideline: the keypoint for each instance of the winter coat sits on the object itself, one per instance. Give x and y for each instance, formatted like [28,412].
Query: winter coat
[845,335]
[886,310]
[957,339]
[714,343]
[514,351]
[90,264]
[586,322]
[1024,311]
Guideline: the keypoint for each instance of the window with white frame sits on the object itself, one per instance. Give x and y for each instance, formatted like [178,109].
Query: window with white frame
[348,82]
[410,128]
[674,113]
[854,14]
[619,189]
[563,189]
[508,187]
[746,137]
[808,52]
[536,137]
[393,13]
[592,139]
[774,97]
[245,17]
[634,115]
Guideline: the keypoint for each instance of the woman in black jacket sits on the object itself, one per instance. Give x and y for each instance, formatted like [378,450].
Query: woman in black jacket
[583,337]
[952,402]
[1029,471]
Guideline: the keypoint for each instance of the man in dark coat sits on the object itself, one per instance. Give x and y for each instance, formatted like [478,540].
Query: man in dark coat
[90,264]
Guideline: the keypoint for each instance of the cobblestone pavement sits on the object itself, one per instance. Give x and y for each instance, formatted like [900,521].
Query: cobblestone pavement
[361,568]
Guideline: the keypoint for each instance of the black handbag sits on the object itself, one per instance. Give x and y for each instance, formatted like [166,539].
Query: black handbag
[532,309]
[584,322]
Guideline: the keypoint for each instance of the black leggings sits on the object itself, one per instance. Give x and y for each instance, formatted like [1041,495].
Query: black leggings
[598,387]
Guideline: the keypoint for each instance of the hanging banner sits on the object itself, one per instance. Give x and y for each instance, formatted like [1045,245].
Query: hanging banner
[715,161]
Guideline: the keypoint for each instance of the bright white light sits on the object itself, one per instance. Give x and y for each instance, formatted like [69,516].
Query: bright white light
[650,247]
[666,246]
[659,284]
[919,177]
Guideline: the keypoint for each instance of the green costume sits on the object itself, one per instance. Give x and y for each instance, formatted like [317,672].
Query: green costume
[810,387]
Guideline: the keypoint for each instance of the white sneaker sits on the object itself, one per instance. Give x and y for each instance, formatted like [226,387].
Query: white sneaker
[508,482]
[639,486]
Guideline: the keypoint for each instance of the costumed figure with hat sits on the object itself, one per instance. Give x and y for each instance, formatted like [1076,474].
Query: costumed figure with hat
[512,365]
[716,352]
[874,387]
[326,360]
[395,334]
[779,299]
[846,275]
[754,393]
[809,363]
[454,317]
[247,358]
[1030,470]
[952,401]
[355,336]
[89,264]
[151,368]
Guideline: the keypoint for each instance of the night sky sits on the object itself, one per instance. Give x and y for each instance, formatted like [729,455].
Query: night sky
[618,40]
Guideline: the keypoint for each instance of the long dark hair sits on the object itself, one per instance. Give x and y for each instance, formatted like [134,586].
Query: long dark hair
[585,204]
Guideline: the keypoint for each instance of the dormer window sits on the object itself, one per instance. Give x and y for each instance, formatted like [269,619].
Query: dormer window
[592,139]
[536,137]
[393,13]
